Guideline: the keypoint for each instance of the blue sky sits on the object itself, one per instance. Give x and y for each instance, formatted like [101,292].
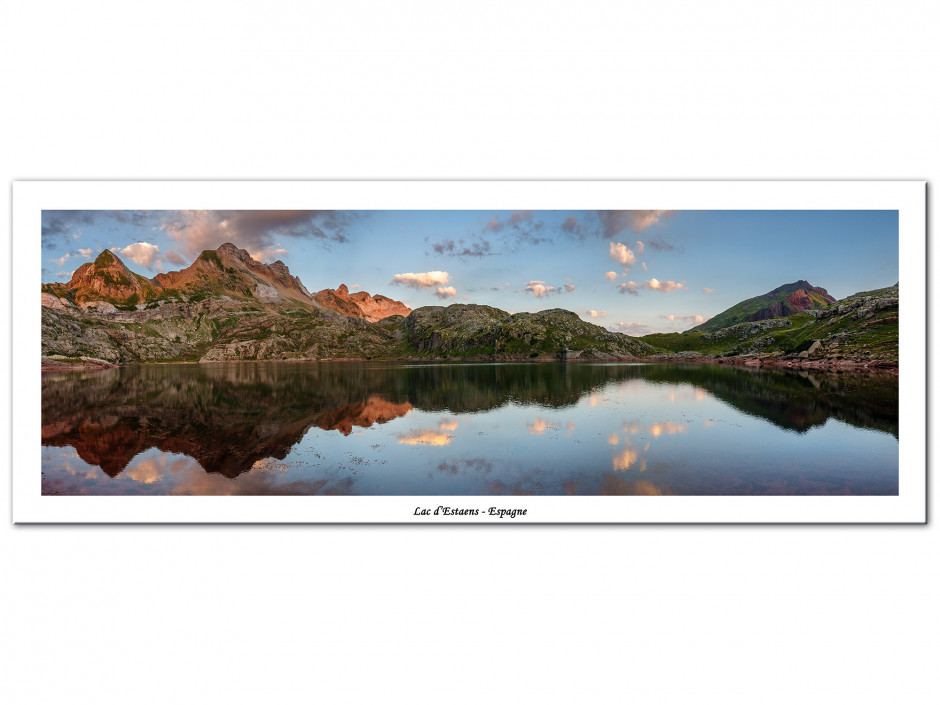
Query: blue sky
[631,271]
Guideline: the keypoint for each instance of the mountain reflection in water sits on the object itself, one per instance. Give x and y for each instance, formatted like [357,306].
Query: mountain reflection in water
[146,424]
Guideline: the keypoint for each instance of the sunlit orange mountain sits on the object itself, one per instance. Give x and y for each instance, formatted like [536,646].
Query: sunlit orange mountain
[360,304]
[227,271]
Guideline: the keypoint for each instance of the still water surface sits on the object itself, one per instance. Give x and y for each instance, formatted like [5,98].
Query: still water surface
[367,428]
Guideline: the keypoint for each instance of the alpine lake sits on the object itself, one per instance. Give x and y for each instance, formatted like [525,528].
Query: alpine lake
[401,428]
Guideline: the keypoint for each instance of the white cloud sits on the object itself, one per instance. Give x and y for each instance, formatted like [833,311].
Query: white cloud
[610,276]
[596,314]
[445,292]
[268,254]
[422,280]
[706,290]
[639,247]
[142,253]
[630,287]
[664,286]
[619,252]
[644,266]
[84,253]
[540,289]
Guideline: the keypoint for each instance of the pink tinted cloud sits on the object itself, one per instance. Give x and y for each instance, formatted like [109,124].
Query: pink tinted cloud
[614,222]
[619,252]
[258,231]
[664,286]
[143,254]
[422,280]
[696,318]
[539,288]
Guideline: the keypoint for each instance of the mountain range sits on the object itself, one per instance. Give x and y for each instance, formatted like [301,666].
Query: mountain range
[224,272]
[229,306]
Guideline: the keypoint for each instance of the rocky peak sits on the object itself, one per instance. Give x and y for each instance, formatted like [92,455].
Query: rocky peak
[342,290]
[233,251]
[107,278]
[278,267]
[276,273]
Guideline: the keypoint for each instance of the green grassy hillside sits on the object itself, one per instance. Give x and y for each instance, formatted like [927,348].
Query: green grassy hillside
[863,326]
[783,301]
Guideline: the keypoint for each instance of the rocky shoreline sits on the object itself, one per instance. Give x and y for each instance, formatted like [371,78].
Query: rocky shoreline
[52,365]
[795,363]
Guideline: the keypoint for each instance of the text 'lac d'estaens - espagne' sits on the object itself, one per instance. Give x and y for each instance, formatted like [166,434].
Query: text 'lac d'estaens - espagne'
[456,511]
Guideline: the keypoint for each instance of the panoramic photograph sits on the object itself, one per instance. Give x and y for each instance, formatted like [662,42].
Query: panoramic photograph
[470,353]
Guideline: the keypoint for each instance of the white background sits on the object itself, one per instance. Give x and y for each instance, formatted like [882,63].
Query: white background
[461,614]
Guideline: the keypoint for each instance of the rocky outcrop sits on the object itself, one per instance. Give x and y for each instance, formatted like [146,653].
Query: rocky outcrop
[360,304]
[474,330]
[742,331]
[338,300]
[863,305]
[378,307]
[62,305]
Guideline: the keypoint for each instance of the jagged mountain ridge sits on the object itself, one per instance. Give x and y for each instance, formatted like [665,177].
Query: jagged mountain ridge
[783,301]
[227,271]
[360,304]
